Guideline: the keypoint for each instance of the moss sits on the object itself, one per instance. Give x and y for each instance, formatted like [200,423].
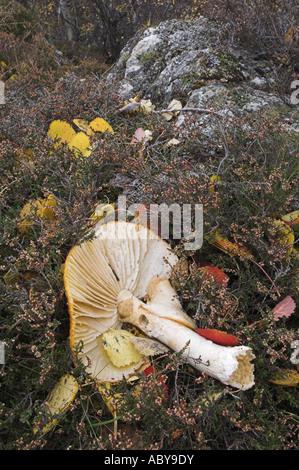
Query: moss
[226,66]
[125,58]
[148,58]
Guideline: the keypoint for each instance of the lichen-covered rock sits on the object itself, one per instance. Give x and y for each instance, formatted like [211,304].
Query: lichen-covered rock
[189,61]
[162,57]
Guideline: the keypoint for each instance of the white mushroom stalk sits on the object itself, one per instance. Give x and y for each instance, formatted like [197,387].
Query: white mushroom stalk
[122,276]
[231,365]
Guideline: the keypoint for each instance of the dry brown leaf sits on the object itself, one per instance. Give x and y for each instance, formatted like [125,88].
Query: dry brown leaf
[128,108]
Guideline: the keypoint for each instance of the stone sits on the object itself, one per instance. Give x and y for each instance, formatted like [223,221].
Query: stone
[187,60]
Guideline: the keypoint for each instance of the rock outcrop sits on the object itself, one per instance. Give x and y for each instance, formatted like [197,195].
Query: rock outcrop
[186,60]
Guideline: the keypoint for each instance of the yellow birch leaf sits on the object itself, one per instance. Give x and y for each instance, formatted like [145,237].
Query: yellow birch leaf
[60,398]
[136,99]
[112,399]
[29,153]
[148,346]
[81,145]
[214,179]
[285,235]
[120,349]
[128,108]
[211,398]
[289,36]
[148,135]
[33,210]
[292,219]
[84,126]
[100,125]
[11,278]
[173,142]
[146,106]
[61,132]
[103,210]
[47,211]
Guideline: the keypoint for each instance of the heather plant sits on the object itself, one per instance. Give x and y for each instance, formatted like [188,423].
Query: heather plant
[174,406]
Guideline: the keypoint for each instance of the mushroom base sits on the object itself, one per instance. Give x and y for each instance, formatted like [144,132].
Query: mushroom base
[231,365]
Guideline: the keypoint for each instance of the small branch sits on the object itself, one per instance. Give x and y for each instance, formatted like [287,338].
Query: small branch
[190,110]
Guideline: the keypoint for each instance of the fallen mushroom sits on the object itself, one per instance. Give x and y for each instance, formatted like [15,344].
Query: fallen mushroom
[122,276]
[121,256]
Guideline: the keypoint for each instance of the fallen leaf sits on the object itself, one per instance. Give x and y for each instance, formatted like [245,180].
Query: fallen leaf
[214,180]
[173,142]
[218,337]
[102,211]
[175,104]
[100,125]
[210,398]
[287,377]
[215,274]
[139,136]
[146,106]
[60,398]
[292,219]
[34,210]
[11,277]
[112,399]
[47,210]
[285,235]
[290,35]
[148,135]
[84,126]
[120,349]
[128,108]
[227,246]
[136,98]
[285,308]
[81,145]
[61,132]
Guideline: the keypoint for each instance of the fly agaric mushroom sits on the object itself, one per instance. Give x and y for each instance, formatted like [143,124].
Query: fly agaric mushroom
[122,276]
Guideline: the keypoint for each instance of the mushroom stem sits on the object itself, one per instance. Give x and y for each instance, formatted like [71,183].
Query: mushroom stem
[231,365]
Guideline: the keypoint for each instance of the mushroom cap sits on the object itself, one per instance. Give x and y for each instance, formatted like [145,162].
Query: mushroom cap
[121,256]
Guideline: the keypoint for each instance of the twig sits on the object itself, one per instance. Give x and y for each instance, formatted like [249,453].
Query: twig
[259,265]
[190,110]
